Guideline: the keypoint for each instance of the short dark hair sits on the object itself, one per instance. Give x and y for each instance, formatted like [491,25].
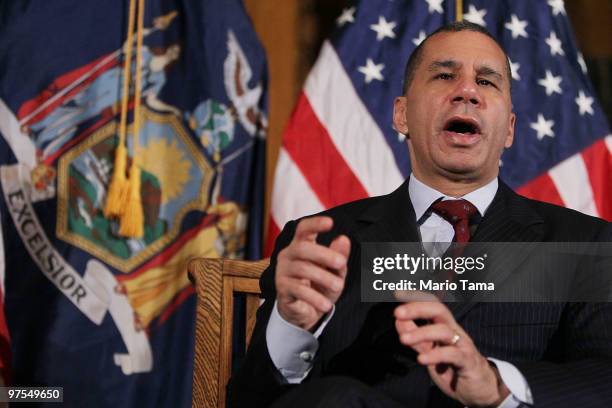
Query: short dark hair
[455,27]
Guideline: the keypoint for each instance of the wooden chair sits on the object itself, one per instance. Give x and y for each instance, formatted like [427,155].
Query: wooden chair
[216,282]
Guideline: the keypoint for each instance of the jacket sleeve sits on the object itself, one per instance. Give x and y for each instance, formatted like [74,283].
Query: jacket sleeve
[257,382]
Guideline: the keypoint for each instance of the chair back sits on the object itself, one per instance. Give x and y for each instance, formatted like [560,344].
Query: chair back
[216,281]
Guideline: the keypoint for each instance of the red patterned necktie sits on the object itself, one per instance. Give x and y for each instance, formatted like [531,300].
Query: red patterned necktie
[457,213]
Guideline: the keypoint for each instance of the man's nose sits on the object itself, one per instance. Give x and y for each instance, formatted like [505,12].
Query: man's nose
[466,92]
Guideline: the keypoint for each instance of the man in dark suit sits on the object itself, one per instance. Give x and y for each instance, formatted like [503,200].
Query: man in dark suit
[316,344]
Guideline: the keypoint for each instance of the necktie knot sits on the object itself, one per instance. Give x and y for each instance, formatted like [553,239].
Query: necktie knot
[457,213]
[454,211]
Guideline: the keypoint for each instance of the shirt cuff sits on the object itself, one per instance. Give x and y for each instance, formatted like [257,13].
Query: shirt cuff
[520,393]
[291,348]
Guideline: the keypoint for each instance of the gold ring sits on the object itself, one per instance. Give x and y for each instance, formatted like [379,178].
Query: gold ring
[455,339]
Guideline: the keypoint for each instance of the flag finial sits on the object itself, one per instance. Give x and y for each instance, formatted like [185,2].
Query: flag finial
[459,10]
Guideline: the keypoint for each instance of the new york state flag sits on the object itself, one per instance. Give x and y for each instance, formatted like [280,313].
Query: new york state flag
[103,312]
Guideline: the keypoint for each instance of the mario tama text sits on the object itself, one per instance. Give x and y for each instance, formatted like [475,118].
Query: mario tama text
[493,272]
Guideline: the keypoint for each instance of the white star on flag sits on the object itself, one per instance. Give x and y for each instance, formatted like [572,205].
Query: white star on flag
[435,5]
[420,38]
[557,6]
[585,103]
[543,127]
[514,67]
[384,28]
[372,71]
[582,63]
[517,27]
[347,16]
[551,83]
[555,44]
[475,16]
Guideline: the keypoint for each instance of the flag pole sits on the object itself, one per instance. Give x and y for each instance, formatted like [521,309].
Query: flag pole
[459,10]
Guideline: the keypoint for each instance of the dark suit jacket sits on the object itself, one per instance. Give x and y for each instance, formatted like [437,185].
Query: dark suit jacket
[564,350]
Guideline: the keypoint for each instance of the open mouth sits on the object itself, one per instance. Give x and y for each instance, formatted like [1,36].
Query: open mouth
[463,126]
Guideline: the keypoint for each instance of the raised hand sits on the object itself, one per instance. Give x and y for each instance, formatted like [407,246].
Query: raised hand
[310,277]
[452,360]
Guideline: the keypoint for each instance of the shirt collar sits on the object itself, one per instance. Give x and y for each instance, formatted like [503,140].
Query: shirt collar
[423,196]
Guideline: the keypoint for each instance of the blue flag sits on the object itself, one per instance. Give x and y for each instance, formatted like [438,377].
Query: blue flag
[108,316]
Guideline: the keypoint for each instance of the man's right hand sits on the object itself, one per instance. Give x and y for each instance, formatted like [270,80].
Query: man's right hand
[310,277]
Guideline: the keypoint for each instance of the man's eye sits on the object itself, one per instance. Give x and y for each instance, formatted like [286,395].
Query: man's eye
[484,82]
[444,75]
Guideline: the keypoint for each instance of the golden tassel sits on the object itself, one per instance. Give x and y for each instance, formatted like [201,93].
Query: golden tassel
[117,189]
[132,217]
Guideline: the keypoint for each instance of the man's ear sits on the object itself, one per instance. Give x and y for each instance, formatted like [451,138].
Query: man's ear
[399,115]
[510,136]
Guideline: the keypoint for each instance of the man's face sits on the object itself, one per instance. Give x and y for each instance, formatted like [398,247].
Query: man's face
[457,112]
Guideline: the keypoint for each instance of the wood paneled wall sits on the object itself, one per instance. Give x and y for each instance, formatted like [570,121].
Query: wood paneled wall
[276,23]
[592,22]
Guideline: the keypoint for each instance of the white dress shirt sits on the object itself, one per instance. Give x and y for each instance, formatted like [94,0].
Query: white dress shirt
[292,349]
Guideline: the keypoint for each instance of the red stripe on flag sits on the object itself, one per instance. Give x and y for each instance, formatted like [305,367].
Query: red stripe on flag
[174,248]
[273,232]
[105,116]
[542,188]
[178,300]
[598,162]
[312,150]
[62,82]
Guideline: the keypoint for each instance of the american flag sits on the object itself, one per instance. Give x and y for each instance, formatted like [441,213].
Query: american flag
[340,146]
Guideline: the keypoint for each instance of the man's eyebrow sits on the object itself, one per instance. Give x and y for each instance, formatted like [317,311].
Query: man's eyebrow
[450,64]
[488,71]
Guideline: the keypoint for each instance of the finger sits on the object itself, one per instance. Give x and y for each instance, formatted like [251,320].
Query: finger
[405,326]
[439,333]
[308,228]
[295,290]
[315,253]
[434,311]
[342,245]
[443,355]
[322,278]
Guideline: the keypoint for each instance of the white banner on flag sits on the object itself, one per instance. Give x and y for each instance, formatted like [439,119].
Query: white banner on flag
[93,294]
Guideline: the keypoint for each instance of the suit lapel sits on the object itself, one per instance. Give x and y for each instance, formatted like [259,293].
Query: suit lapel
[391,220]
[508,219]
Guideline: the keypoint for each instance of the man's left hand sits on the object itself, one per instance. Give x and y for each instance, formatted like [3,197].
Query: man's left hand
[453,361]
